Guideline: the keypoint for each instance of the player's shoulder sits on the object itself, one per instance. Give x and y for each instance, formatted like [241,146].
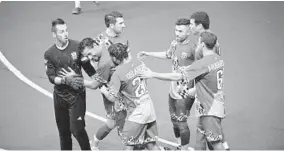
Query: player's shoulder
[192,42]
[101,35]
[207,60]
[104,63]
[136,62]
[126,67]
[50,51]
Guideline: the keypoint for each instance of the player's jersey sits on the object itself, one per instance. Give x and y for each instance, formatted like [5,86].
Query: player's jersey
[106,40]
[105,66]
[56,59]
[181,55]
[134,91]
[208,73]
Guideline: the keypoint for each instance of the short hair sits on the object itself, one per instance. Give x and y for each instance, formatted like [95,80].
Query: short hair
[183,21]
[110,18]
[209,39]
[86,42]
[202,18]
[55,22]
[119,51]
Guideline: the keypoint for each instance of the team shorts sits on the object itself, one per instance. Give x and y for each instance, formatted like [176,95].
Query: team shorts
[180,108]
[210,127]
[135,134]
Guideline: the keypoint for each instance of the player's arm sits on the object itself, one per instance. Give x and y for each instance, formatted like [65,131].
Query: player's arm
[51,70]
[112,91]
[189,73]
[100,78]
[166,76]
[91,84]
[160,55]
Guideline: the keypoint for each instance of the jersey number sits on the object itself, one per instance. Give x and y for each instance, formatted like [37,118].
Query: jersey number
[220,79]
[141,86]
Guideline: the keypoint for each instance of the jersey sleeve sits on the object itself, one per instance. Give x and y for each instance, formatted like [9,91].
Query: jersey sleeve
[198,68]
[103,73]
[50,68]
[170,51]
[114,86]
[115,82]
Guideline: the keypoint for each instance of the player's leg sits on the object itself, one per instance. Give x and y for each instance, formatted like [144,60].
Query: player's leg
[77,121]
[151,136]
[213,131]
[104,130]
[77,9]
[63,122]
[132,134]
[97,2]
[182,111]
[172,109]
[225,144]
[201,141]
[120,121]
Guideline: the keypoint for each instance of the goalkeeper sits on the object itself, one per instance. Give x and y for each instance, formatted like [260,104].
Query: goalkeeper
[181,53]
[69,95]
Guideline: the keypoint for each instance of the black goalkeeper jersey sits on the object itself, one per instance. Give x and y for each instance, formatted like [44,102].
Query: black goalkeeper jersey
[56,59]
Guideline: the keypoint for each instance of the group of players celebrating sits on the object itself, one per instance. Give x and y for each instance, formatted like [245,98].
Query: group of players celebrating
[197,75]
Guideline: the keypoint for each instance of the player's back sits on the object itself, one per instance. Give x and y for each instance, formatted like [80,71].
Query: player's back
[209,86]
[135,92]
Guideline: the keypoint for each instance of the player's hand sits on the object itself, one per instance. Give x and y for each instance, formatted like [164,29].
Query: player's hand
[173,45]
[119,106]
[65,73]
[148,73]
[104,90]
[76,82]
[143,54]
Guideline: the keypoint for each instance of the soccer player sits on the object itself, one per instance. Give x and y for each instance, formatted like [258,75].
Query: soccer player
[181,53]
[128,88]
[69,95]
[115,25]
[200,22]
[208,74]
